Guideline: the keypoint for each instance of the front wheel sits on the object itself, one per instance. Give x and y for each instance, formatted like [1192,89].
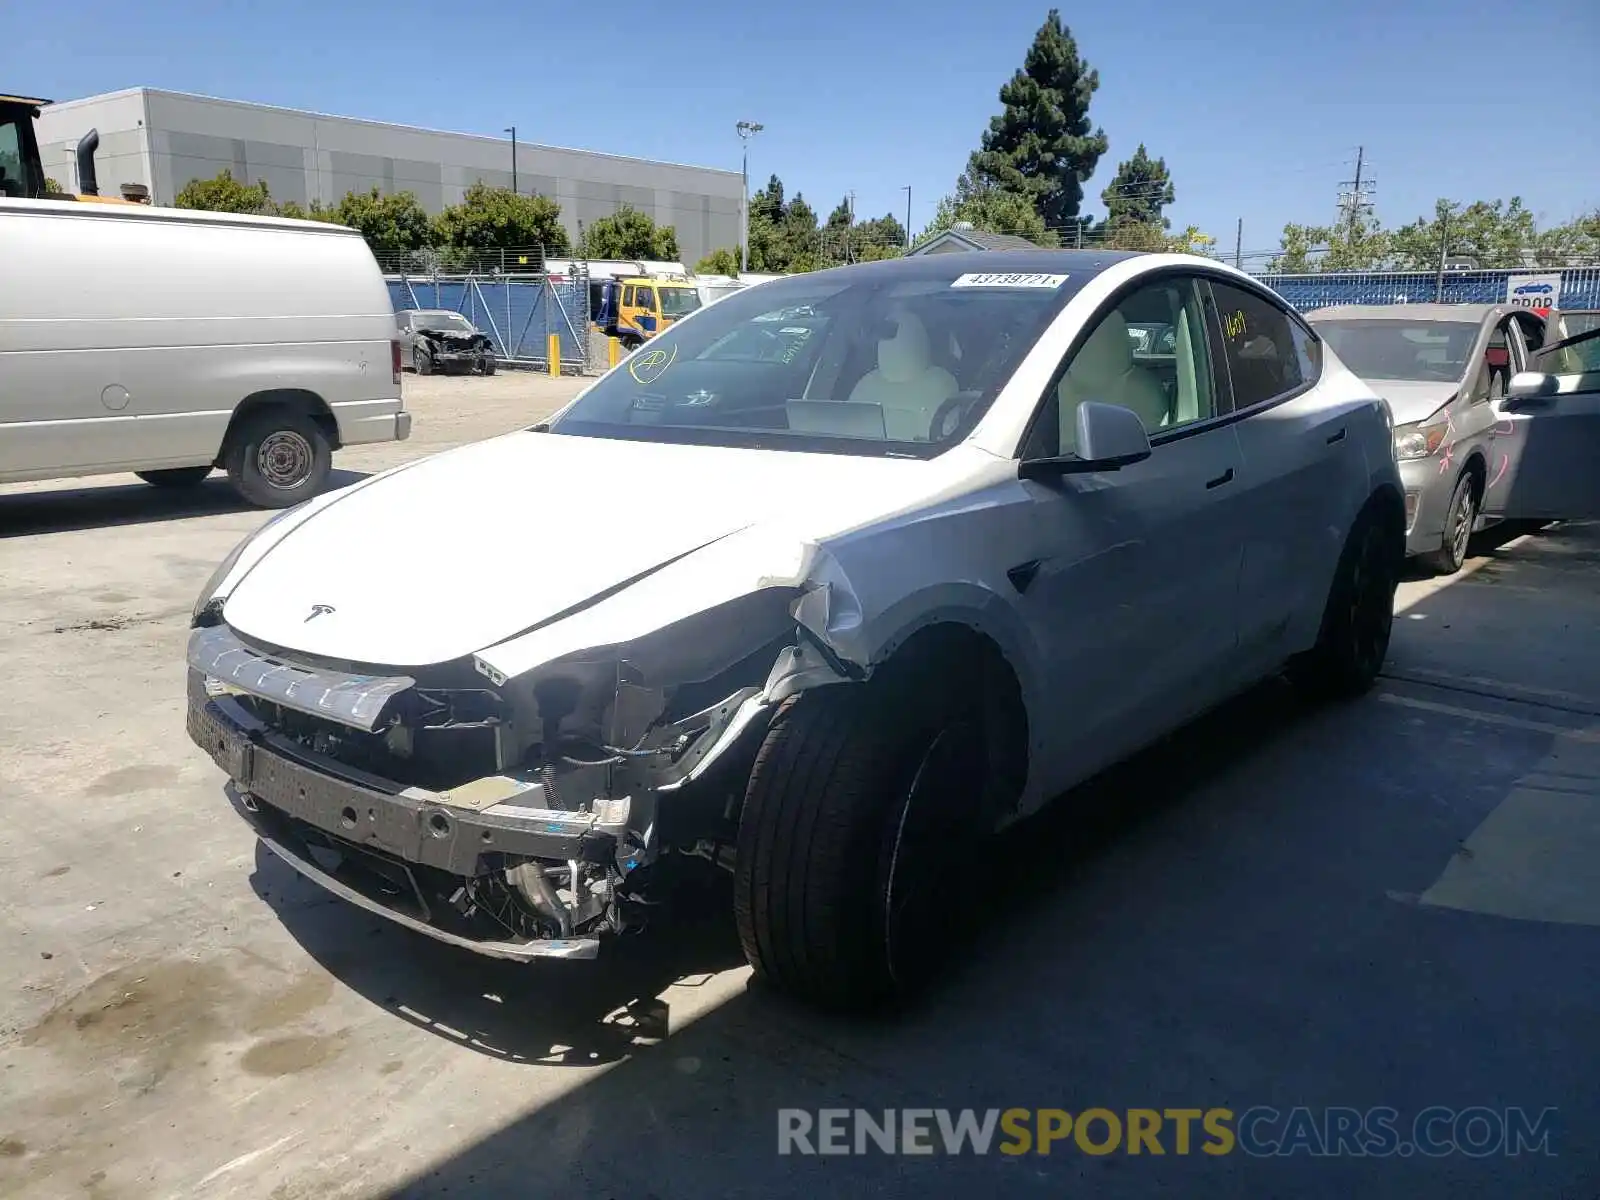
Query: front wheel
[278,458]
[489,364]
[1459,521]
[175,477]
[860,807]
[421,361]
[1359,615]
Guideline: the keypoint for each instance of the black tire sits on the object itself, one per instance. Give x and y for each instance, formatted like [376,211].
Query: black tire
[421,360]
[1359,616]
[175,477]
[278,458]
[862,796]
[489,364]
[1459,519]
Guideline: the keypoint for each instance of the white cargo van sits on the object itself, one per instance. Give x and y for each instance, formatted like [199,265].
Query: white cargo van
[169,343]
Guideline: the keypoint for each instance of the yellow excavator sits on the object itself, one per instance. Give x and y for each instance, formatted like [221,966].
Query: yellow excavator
[22,171]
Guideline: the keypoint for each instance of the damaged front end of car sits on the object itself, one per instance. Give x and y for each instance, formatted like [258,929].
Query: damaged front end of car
[449,348]
[518,811]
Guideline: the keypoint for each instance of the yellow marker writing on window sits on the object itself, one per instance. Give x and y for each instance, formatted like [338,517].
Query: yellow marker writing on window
[1233,324]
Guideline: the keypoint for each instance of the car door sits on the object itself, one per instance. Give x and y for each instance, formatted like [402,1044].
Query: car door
[1547,439]
[1295,451]
[1133,592]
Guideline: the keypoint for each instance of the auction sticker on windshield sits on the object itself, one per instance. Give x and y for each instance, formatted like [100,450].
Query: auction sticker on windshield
[1006,280]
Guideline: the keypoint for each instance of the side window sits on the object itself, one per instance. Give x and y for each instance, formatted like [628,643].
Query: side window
[646,298]
[627,295]
[1258,339]
[1308,350]
[1149,354]
[1579,356]
[402,322]
[13,179]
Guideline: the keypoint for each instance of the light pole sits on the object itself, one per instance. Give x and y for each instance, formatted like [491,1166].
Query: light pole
[746,130]
[907,190]
[512,130]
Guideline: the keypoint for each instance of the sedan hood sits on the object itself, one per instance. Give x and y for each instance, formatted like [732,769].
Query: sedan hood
[1412,401]
[474,546]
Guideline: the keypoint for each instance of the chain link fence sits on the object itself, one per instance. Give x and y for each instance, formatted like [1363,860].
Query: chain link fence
[1530,287]
[529,307]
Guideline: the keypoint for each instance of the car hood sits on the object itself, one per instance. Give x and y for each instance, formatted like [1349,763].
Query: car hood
[464,550]
[1413,401]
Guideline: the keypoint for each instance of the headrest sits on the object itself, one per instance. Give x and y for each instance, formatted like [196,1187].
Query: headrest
[1106,356]
[904,356]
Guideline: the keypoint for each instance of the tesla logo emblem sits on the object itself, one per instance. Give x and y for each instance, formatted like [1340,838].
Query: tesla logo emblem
[318,610]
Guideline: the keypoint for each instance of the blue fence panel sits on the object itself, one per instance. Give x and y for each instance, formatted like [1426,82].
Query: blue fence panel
[1580,287]
[518,315]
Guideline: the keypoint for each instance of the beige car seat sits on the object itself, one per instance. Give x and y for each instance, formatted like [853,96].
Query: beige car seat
[906,383]
[1104,370]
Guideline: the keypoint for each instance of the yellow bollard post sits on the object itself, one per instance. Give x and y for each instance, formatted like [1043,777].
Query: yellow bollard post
[613,352]
[555,354]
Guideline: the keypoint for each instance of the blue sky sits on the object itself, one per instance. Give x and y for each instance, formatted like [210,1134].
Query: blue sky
[1258,116]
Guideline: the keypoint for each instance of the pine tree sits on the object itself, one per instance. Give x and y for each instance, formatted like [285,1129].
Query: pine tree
[1142,188]
[1042,145]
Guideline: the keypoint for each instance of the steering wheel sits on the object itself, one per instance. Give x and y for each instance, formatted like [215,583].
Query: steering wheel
[950,416]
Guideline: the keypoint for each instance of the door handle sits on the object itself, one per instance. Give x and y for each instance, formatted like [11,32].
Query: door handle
[1225,477]
[1336,437]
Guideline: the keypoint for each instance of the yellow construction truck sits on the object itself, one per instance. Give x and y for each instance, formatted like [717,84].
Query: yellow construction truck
[22,170]
[635,309]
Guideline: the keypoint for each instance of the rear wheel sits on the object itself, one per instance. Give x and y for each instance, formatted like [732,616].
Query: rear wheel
[862,803]
[175,477]
[278,458]
[1359,615]
[1459,520]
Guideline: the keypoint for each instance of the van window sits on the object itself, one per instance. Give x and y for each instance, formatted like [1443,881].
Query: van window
[13,179]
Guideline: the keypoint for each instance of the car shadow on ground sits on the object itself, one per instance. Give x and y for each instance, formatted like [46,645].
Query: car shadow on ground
[553,1013]
[1231,918]
[62,509]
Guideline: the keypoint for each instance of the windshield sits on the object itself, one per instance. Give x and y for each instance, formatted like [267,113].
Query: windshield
[1418,351]
[675,302]
[446,321]
[855,361]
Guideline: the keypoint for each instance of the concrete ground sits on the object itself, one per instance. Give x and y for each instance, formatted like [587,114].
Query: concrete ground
[1388,903]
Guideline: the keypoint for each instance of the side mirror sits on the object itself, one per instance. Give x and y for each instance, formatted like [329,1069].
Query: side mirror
[1530,389]
[1110,437]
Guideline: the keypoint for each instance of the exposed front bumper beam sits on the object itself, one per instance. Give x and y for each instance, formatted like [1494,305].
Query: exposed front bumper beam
[515,951]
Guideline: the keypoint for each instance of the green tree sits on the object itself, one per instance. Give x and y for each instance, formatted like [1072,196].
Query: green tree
[629,233]
[224,193]
[784,237]
[317,211]
[1494,233]
[722,261]
[1042,145]
[1140,191]
[991,209]
[1303,249]
[490,218]
[50,185]
[1575,244]
[394,225]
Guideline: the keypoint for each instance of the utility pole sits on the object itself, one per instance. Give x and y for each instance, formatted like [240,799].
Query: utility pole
[907,191]
[1444,249]
[1238,245]
[746,131]
[512,130]
[1355,196]
[849,223]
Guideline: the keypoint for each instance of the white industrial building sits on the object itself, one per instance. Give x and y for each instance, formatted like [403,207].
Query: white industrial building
[164,140]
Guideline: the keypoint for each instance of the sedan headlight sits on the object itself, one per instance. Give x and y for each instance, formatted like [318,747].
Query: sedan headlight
[204,612]
[1420,439]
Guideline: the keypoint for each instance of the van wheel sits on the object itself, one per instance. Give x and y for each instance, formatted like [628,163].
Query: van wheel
[278,458]
[857,817]
[175,477]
